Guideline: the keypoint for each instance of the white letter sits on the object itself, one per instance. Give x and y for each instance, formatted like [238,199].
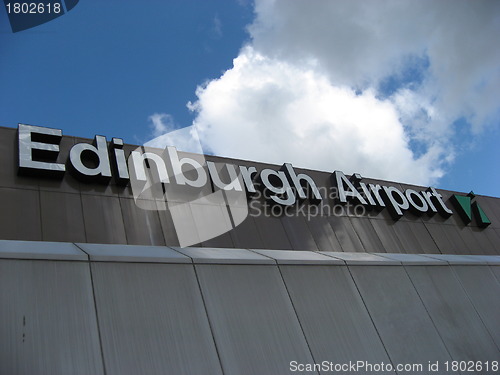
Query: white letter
[26,146]
[177,164]
[396,207]
[138,160]
[214,175]
[341,179]
[285,188]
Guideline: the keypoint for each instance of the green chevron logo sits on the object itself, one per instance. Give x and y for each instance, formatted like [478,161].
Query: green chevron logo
[467,208]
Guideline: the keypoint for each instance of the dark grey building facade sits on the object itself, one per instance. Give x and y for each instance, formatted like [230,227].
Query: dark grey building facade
[96,280]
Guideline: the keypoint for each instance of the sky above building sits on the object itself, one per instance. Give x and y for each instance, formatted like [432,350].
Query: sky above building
[398,90]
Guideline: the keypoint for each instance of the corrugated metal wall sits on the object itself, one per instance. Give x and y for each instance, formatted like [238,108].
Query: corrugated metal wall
[313,288]
[41,209]
[117,309]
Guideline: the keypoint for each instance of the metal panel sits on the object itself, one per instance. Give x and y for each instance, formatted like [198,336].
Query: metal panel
[409,241]
[62,217]
[497,246]
[299,257]
[363,259]
[379,214]
[402,322]
[496,272]
[224,256]
[168,227]
[423,237]
[456,239]
[485,243]
[223,241]
[272,233]
[101,189]
[142,223]
[459,259]
[245,235]
[449,307]
[367,235]
[103,219]
[494,204]
[253,321]
[179,220]
[40,250]
[414,259]
[132,253]
[491,208]
[346,234]
[323,234]
[440,235]
[470,244]
[48,324]
[20,218]
[483,290]
[493,260]
[213,223]
[298,233]
[332,314]
[388,237]
[152,320]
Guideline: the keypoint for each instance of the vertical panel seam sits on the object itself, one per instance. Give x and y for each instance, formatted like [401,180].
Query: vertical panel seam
[427,310]
[101,347]
[316,242]
[334,232]
[159,222]
[83,217]
[370,315]
[296,314]
[123,219]
[455,274]
[494,274]
[208,318]
[261,237]
[433,240]
[307,221]
[40,213]
[361,239]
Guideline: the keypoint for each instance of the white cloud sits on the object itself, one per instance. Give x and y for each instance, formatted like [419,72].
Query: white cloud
[306,90]
[161,123]
[166,134]
[272,111]
[359,43]
[217,26]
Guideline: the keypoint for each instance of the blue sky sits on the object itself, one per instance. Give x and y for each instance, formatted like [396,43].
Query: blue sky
[105,66]
[273,81]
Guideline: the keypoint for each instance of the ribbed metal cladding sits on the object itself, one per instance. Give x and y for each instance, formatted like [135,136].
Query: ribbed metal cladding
[121,309]
[68,210]
[47,313]
[116,294]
